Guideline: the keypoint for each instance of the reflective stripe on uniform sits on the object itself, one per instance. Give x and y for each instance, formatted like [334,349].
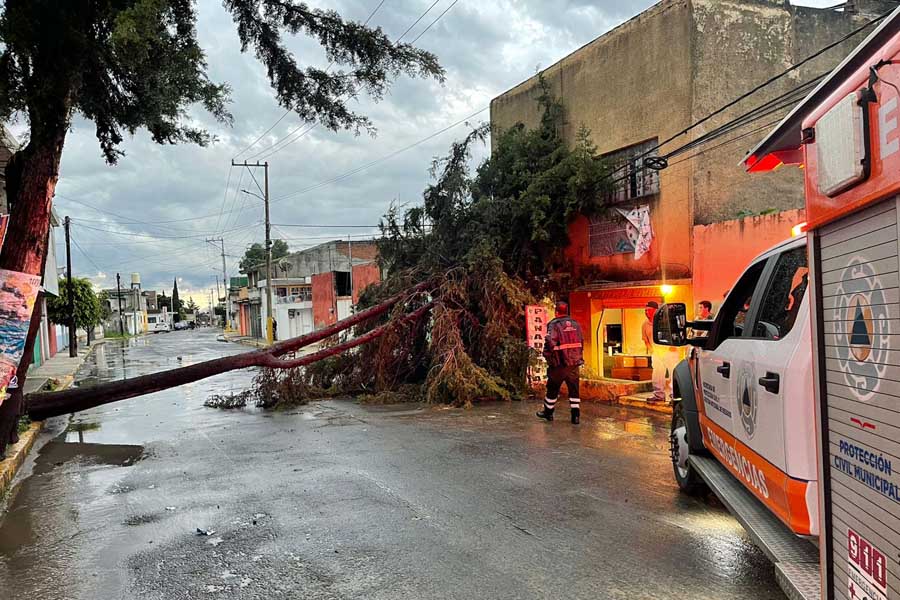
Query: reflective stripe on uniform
[568,346]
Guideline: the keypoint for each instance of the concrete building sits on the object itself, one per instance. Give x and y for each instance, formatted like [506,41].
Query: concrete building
[136,304]
[645,82]
[311,289]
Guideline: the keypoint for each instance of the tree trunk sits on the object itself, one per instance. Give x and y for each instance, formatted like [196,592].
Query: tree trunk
[31,177]
[42,406]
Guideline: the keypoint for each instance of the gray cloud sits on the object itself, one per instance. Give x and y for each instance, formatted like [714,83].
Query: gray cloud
[486,48]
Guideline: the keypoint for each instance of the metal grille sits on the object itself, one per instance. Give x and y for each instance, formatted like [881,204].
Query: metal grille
[632,178]
[608,236]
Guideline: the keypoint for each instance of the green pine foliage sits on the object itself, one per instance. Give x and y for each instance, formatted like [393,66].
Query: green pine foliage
[492,240]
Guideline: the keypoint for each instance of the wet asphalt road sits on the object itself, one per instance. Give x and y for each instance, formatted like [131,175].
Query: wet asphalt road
[339,500]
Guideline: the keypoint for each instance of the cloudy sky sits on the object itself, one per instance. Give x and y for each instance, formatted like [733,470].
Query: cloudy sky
[153,211]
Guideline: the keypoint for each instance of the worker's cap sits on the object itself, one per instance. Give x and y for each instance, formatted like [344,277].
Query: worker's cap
[652,304]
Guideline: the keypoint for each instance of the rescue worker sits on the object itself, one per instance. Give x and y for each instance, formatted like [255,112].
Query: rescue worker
[564,351]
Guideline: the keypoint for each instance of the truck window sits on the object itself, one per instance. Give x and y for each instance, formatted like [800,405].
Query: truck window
[781,304]
[733,314]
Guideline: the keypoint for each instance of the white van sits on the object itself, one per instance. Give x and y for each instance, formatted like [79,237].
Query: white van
[156,324]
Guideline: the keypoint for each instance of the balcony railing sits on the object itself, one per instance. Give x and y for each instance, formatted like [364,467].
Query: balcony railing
[295,299]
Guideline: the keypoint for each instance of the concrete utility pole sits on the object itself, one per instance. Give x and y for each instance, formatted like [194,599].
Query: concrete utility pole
[119,296]
[224,281]
[73,337]
[265,199]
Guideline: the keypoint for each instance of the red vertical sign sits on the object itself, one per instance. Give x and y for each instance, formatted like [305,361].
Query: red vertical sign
[535,331]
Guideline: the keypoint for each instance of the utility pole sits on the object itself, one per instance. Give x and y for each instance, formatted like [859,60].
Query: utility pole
[265,167]
[224,280]
[73,337]
[119,296]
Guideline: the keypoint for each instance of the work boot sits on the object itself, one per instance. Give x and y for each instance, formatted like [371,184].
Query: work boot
[576,416]
[547,413]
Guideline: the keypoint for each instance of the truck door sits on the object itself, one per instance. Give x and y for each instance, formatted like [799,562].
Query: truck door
[770,351]
[720,361]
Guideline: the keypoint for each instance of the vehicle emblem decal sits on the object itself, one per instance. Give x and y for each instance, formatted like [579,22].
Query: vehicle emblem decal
[747,401]
[861,329]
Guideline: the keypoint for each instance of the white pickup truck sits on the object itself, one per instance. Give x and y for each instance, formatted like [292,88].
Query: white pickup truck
[744,420]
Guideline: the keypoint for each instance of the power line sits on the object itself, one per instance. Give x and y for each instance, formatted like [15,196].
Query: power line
[327,226]
[435,21]
[288,111]
[287,141]
[379,160]
[767,83]
[416,22]
[160,237]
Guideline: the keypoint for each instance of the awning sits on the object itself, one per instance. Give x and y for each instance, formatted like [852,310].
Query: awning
[781,145]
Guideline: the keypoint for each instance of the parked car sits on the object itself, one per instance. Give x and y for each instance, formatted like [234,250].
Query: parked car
[157,326]
[181,325]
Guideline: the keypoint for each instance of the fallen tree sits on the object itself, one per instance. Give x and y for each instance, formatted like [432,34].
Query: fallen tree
[494,236]
[41,406]
[134,65]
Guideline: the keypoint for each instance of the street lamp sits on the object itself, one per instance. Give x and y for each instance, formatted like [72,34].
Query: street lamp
[269,317]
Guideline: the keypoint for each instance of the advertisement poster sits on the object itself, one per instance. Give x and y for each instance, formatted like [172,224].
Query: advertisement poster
[535,330]
[4,224]
[18,292]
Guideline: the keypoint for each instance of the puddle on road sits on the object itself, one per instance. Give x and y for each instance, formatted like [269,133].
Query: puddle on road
[17,530]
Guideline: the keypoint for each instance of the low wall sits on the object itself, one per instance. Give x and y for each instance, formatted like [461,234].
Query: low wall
[723,250]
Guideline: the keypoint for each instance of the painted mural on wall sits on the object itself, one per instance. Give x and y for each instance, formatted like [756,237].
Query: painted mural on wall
[18,292]
[4,225]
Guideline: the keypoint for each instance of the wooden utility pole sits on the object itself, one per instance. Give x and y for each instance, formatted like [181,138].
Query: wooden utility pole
[265,199]
[73,337]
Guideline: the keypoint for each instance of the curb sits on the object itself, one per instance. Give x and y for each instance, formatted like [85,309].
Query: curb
[658,407]
[18,452]
[16,455]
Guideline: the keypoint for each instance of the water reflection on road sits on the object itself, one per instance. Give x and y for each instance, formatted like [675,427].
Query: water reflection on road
[339,500]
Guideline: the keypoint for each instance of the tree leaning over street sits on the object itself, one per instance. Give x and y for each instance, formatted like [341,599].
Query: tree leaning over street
[137,64]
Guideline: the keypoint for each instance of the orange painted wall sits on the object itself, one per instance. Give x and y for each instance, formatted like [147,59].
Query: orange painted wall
[669,255]
[723,250]
[324,300]
[364,276]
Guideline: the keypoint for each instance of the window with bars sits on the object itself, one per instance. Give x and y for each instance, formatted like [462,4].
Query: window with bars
[632,179]
[608,236]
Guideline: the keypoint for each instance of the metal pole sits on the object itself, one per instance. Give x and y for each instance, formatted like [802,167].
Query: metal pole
[73,337]
[119,296]
[350,253]
[270,318]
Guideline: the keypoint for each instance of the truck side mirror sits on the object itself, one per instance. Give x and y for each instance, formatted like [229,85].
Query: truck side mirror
[670,325]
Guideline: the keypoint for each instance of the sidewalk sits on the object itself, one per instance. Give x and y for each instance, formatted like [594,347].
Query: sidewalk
[245,340]
[60,369]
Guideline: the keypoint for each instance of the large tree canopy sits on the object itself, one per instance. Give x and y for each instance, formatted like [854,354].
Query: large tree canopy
[131,64]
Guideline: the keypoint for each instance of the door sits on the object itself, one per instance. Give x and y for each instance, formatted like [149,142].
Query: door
[774,340]
[726,351]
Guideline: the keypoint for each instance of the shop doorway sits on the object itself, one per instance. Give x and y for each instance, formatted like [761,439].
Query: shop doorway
[617,325]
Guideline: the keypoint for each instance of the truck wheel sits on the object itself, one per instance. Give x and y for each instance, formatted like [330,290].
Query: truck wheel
[688,479]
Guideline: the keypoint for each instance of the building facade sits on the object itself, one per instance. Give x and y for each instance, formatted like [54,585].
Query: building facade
[644,83]
[311,289]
